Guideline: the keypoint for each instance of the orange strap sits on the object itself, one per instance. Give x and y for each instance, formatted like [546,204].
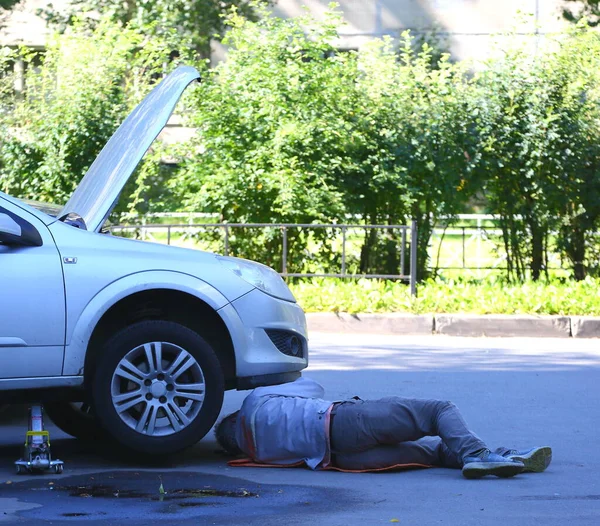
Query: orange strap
[249,463]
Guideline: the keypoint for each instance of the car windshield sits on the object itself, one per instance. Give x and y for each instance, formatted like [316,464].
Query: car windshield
[54,210]
[48,208]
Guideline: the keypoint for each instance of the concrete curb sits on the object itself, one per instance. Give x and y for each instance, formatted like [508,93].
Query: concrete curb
[503,325]
[585,327]
[492,325]
[395,323]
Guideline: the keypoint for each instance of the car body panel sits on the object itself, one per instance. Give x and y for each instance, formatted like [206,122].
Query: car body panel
[99,190]
[40,382]
[98,260]
[32,320]
[100,303]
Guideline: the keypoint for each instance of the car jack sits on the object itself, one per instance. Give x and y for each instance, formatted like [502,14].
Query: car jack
[36,454]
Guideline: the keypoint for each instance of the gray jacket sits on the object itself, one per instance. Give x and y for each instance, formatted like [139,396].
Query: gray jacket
[285,424]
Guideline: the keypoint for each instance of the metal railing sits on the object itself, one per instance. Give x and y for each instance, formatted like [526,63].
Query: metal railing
[476,250]
[407,234]
[481,250]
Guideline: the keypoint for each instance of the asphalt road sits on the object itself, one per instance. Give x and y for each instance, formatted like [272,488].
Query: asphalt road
[513,392]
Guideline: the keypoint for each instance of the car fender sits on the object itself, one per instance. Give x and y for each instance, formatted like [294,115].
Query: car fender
[76,350]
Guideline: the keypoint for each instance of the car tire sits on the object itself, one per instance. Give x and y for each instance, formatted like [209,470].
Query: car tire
[74,418]
[158,387]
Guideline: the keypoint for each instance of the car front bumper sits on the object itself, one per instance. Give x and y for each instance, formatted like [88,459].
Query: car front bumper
[251,319]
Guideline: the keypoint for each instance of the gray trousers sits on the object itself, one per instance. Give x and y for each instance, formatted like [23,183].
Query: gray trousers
[368,434]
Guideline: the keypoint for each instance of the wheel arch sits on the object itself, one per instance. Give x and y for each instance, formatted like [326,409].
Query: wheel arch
[180,298]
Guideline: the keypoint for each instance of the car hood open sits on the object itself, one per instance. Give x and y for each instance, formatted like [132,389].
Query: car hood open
[99,190]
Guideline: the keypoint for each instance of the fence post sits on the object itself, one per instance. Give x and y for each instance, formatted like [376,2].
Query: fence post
[343,251]
[403,252]
[464,248]
[284,255]
[479,264]
[413,258]
[226,240]
[168,234]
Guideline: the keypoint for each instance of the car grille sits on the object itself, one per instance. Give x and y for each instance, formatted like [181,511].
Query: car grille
[288,342]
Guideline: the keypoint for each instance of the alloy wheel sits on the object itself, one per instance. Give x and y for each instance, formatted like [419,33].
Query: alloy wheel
[158,389]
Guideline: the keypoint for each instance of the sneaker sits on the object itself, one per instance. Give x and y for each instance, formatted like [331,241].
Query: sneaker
[536,459]
[488,463]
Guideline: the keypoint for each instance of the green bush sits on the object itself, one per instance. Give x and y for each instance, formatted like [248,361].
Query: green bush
[538,123]
[77,93]
[436,296]
[292,131]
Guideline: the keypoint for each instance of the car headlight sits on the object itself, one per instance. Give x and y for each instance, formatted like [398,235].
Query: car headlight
[260,276]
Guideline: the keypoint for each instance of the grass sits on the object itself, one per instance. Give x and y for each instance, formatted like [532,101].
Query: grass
[488,297]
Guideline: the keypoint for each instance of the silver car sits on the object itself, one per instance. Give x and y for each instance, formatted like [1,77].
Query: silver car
[148,336]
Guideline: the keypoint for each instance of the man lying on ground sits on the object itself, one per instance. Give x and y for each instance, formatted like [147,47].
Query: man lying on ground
[292,423]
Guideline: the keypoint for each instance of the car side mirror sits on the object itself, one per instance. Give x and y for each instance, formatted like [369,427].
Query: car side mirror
[18,233]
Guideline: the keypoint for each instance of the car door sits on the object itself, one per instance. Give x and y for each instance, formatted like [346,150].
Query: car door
[32,303]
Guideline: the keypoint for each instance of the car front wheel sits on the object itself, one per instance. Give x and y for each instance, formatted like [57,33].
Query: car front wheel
[158,387]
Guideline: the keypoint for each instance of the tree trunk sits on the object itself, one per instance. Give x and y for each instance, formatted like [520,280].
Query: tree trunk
[537,249]
[575,248]
[367,252]
[507,248]
[424,228]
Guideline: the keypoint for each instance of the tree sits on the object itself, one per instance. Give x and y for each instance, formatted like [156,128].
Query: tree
[519,158]
[583,9]
[538,119]
[573,75]
[290,130]
[270,125]
[196,21]
[74,101]
[5,7]
[8,4]
[435,145]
